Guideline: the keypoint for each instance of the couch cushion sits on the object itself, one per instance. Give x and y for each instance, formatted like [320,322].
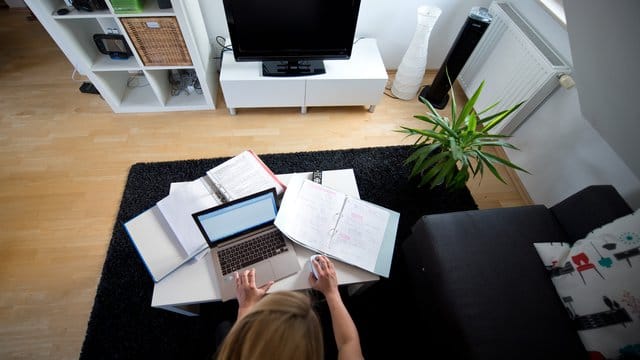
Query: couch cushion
[598,280]
[589,208]
[480,280]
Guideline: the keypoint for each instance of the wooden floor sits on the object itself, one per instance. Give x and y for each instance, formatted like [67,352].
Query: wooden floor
[64,159]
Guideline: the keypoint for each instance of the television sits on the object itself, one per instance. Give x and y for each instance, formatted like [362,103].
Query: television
[291,37]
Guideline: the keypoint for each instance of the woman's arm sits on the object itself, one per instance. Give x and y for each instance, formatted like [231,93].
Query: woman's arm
[344,329]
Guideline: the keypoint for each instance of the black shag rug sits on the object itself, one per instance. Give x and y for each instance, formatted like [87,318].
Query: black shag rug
[123,325]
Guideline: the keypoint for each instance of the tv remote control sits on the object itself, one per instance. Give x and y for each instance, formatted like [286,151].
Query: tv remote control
[317,176]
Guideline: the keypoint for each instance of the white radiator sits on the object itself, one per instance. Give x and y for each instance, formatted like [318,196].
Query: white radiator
[516,65]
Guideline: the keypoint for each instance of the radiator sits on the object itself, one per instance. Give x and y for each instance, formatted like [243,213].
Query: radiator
[516,65]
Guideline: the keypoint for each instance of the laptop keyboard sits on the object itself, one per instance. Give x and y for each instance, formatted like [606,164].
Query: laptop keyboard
[250,252]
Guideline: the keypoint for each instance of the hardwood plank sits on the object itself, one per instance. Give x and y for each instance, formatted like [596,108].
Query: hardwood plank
[65,156]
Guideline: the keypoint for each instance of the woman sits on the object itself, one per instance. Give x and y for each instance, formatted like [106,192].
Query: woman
[283,325]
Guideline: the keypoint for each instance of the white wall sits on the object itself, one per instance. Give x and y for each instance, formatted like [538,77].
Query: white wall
[558,145]
[392,23]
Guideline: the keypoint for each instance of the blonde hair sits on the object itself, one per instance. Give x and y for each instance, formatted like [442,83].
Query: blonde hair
[283,325]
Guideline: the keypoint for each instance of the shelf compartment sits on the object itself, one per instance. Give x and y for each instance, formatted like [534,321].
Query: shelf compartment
[128,92]
[103,62]
[78,34]
[150,8]
[52,6]
[157,40]
[172,98]
[77,14]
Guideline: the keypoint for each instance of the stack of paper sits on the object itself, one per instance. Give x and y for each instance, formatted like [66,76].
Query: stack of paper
[166,236]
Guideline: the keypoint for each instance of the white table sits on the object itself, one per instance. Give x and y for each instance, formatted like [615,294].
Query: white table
[194,282]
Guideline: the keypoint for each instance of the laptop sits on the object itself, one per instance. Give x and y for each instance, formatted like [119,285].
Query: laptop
[241,235]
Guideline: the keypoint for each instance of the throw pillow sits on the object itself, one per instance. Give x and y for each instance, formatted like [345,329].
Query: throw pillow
[598,281]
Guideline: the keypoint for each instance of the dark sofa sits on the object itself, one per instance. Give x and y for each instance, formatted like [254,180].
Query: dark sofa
[479,280]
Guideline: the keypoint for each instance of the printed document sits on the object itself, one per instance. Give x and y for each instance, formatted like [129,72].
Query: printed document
[243,175]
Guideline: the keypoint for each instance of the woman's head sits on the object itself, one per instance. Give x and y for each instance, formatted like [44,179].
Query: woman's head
[283,325]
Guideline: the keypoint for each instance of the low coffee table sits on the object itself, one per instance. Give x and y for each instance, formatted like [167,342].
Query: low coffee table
[193,283]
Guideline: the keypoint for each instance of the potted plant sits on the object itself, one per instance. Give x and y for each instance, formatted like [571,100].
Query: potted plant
[449,150]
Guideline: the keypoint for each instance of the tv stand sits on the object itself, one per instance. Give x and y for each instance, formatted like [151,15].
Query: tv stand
[293,68]
[358,81]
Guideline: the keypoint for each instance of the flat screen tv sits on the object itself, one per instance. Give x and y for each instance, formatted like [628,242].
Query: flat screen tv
[291,37]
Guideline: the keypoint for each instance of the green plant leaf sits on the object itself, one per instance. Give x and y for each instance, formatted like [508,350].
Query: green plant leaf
[428,168]
[489,107]
[426,178]
[471,123]
[461,176]
[422,152]
[453,98]
[455,150]
[446,171]
[445,126]
[491,117]
[432,173]
[431,108]
[505,162]
[496,143]
[419,156]
[468,107]
[427,133]
[427,118]
[486,161]
[501,117]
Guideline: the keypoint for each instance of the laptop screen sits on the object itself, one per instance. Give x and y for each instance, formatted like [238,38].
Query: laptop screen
[238,216]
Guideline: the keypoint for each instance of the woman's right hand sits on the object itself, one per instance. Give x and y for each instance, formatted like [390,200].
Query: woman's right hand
[327,281]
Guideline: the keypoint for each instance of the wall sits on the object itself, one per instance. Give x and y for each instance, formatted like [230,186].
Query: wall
[392,23]
[558,145]
[612,113]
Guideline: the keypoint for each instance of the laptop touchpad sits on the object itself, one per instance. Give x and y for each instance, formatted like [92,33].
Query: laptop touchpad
[264,273]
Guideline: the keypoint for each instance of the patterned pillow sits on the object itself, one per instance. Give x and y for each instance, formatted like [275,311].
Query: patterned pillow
[598,281]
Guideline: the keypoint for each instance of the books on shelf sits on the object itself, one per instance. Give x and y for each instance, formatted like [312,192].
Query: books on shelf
[346,228]
[166,236]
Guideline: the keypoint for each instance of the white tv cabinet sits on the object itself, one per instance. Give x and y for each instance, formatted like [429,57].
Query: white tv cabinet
[358,81]
[129,85]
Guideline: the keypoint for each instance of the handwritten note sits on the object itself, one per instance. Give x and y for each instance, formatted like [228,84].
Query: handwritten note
[317,211]
[330,222]
[359,233]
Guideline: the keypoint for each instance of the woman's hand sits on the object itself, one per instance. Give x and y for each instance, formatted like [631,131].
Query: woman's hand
[327,281]
[247,292]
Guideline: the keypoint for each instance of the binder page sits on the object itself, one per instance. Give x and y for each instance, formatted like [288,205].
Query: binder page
[316,210]
[359,234]
[177,208]
[243,175]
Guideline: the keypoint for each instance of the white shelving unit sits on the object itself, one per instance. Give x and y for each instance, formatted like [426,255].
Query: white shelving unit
[357,81]
[129,85]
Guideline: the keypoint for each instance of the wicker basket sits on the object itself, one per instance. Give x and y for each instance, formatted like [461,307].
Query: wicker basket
[158,40]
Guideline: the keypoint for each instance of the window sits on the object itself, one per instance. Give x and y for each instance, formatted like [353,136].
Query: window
[556,9]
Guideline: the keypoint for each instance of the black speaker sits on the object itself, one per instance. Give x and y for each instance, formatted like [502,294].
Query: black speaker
[477,22]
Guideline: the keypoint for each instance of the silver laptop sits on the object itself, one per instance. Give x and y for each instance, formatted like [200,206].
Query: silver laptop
[242,236]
